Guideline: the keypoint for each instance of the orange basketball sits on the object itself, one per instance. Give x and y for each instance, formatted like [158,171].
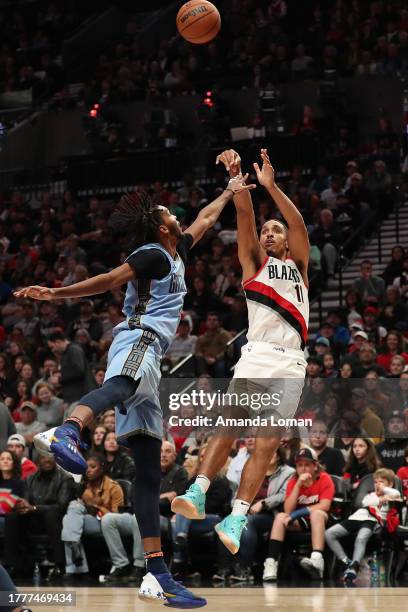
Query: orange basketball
[198,21]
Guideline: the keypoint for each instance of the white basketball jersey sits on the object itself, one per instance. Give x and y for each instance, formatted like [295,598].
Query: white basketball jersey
[278,304]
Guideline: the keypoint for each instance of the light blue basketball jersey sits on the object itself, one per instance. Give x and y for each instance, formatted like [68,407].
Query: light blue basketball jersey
[156,304]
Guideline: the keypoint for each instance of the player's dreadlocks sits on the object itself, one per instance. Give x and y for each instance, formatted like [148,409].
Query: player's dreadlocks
[137,218]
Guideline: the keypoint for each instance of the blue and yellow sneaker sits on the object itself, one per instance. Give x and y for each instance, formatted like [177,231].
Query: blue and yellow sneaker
[230,530]
[191,504]
[63,444]
[162,588]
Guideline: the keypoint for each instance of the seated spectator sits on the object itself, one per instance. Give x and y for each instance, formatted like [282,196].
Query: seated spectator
[97,439]
[399,397]
[17,445]
[22,396]
[341,334]
[363,522]
[358,338]
[217,505]
[395,268]
[375,396]
[266,504]
[329,196]
[329,370]
[401,280]
[329,415]
[100,495]
[314,398]
[29,425]
[119,465]
[314,367]
[327,235]
[369,285]
[330,459]
[402,474]
[115,526]
[363,460]
[392,450]
[174,479]
[7,426]
[89,346]
[375,332]
[369,421]
[210,347]
[50,409]
[308,498]
[366,360]
[395,311]
[108,420]
[48,493]
[397,366]
[353,308]
[12,486]
[236,465]
[394,345]
[183,343]
[200,300]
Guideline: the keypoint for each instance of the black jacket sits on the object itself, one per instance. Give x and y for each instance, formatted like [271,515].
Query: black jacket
[391,453]
[121,467]
[76,376]
[173,480]
[53,489]
[218,497]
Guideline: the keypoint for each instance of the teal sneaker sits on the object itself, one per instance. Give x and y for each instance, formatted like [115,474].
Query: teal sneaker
[230,530]
[191,504]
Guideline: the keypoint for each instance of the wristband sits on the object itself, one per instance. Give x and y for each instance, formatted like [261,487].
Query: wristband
[299,513]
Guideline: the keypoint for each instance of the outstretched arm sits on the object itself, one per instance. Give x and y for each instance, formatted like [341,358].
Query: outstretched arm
[208,216]
[250,253]
[91,286]
[298,240]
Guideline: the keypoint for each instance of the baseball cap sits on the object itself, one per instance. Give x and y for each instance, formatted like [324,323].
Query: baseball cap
[356,326]
[28,406]
[306,454]
[395,414]
[324,341]
[17,439]
[362,334]
[371,310]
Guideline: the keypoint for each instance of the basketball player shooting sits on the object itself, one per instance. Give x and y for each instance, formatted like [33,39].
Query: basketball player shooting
[274,267]
[154,273]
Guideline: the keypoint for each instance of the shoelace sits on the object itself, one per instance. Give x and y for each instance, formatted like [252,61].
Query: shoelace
[241,524]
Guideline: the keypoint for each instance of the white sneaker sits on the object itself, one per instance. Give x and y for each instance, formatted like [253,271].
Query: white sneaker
[313,566]
[270,572]
[151,591]
[42,441]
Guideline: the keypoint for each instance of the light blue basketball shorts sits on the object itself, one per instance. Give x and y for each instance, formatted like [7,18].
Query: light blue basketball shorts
[137,353]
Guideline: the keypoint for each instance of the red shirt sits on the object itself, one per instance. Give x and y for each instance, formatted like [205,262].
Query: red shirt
[384,360]
[403,476]
[27,468]
[321,488]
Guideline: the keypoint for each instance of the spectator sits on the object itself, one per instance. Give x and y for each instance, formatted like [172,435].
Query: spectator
[12,486]
[100,495]
[17,445]
[314,367]
[402,474]
[375,332]
[329,363]
[394,345]
[210,347]
[368,285]
[327,235]
[47,496]
[174,478]
[374,394]
[50,410]
[341,334]
[363,460]
[309,495]
[217,505]
[379,183]
[375,507]
[400,281]
[399,397]
[76,376]
[329,196]
[395,311]
[108,420]
[97,439]
[116,525]
[7,426]
[29,425]
[395,268]
[367,361]
[330,459]
[392,450]
[183,343]
[369,420]
[322,347]
[237,464]
[87,320]
[119,465]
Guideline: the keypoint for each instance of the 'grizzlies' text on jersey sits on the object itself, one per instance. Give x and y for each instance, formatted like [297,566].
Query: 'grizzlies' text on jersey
[156,304]
[278,304]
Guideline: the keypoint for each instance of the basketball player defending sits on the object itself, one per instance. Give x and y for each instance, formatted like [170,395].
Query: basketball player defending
[278,310]
[154,273]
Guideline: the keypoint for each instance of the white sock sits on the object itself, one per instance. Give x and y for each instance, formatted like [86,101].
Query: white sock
[240,508]
[203,482]
[316,554]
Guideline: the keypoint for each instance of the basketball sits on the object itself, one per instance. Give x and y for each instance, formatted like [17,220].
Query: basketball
[198,21]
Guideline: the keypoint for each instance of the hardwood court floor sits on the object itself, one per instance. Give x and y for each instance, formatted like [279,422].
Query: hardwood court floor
[104,599]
